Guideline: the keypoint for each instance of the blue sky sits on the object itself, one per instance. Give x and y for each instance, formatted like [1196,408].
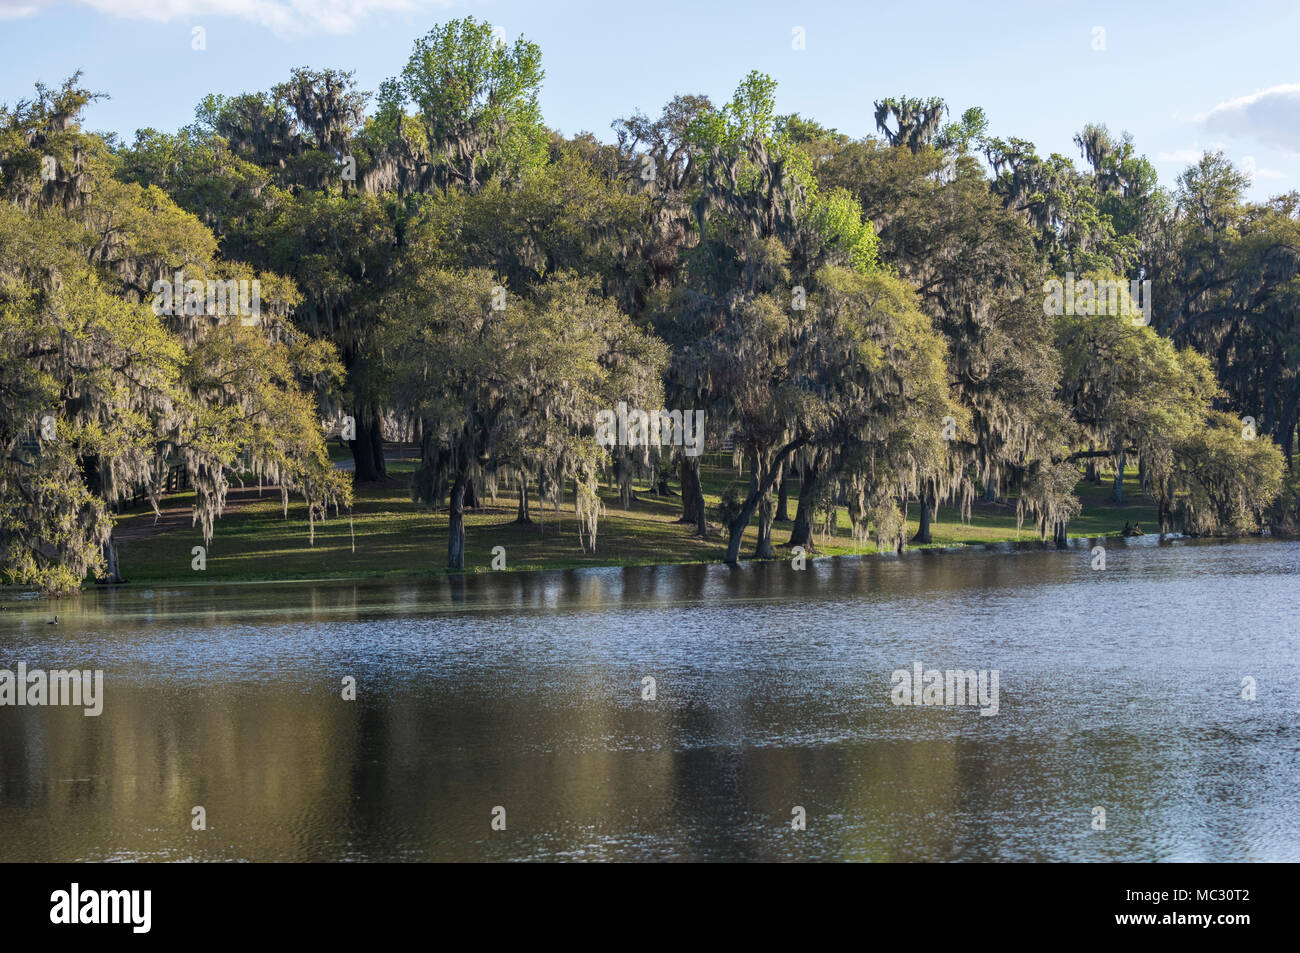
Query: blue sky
[1181,76]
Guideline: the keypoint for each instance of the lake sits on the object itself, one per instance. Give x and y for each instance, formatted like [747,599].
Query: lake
[522,700]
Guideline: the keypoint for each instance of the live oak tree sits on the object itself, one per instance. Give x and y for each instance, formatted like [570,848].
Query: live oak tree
[1130,392]
[975,270]
[571,214]
[341,251]
[475,97]
[866,314]
[657,160]
[1133,393]
[1063,205]
[733,357]
[106,389]
[567,214]
[881,385]
[267,172]
[915,121]
[86,374]
[780,336]
[507,381]
[1226,480]
[1228,287]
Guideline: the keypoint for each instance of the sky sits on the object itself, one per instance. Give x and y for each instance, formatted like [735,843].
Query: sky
[1182,77]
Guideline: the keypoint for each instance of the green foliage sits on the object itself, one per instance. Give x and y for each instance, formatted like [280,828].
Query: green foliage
[1230,481]
[108,391]
[866,312]
[730,505]
[836,217]
[763,181]
[508,383]
[966,133]
[916,121]
[477,100]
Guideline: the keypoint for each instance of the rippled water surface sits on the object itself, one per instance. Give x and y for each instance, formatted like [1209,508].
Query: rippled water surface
[1119,689]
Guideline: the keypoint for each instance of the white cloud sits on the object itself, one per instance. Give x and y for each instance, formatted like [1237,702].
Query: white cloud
[281,16]
[1256,174]
[1247,163]
[1185,156]
[1270,116]
[14,9]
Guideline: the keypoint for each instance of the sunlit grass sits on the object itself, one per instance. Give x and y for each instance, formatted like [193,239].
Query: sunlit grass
[388,535]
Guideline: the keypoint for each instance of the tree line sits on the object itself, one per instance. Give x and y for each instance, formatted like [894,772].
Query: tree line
[868,314]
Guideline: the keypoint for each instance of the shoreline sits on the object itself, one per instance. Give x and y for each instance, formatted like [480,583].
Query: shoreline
[1004,547]
[385,538]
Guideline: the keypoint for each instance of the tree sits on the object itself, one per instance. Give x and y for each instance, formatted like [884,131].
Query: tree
[1063,205]
[108,389]
[964,134]
[916,121]
[1132,392]
[508,382]
[765,231]
[341,251]
[1129,390]
[476,98]
[265,171]
[1226,279]
[1229,482]
[975,270]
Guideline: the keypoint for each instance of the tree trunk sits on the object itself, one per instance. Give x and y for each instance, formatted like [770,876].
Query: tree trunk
[429,483]
[471,500]
[523,516]
[928,504]
[693,497]
[111,574]
[737,532]
[689,474]
[1117,494]
[783,497]
[368,447]
[456,524]
[377,444]
[763,549]
[624,473]
[801,533]
[760,486]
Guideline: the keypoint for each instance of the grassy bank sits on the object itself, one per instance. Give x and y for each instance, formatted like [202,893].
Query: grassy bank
[390,536]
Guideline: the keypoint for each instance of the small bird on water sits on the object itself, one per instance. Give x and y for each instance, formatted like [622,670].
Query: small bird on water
[54,621]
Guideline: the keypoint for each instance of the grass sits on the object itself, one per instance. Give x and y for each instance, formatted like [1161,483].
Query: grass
[392,537]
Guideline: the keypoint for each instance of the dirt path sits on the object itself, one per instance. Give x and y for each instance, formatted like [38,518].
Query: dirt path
[396,453]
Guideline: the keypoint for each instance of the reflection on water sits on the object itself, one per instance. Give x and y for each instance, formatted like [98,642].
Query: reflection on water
[1119,689]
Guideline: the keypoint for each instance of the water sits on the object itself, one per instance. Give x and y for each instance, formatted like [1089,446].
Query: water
[1119,689]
